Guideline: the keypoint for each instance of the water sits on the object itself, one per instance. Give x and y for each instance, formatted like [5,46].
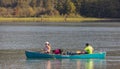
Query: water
[55,64]
[14,40]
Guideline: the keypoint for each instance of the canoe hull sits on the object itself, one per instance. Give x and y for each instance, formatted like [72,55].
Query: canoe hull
[38,55]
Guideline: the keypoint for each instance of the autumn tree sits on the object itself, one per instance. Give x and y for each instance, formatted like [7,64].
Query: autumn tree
[70,7]
[78,4]
[33,3]
[87,8]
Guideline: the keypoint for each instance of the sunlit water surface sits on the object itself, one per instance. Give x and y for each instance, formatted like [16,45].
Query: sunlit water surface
[15,39]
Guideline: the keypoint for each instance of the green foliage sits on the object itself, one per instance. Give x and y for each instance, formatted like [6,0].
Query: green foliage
[60,6]
[33,8]
[101,8]
[70,7]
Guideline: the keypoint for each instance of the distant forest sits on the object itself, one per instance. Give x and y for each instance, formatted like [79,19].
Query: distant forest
[38,8]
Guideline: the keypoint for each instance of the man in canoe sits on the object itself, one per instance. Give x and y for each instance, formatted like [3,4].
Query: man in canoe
[88,49]
[47,48]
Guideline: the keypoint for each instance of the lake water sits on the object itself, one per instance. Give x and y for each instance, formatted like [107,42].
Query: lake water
[15,39]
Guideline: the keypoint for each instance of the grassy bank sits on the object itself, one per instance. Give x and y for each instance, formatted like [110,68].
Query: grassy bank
[49,19]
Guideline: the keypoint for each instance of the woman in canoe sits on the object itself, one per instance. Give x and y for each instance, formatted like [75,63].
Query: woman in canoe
[47,48]
[88,49]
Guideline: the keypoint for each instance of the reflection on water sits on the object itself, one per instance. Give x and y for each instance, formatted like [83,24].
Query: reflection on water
[89,64]
[78,65]
[68,64]
[48,65]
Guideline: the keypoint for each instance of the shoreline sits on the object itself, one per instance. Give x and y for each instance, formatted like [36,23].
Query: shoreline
[50,19]
[58,21]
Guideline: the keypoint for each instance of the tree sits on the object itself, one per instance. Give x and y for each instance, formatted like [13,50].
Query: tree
[3,11]
[77,4]
[40,3]
[70,7]
[33,3]
[88,8]
[49,4]
[60,6]
[31,12]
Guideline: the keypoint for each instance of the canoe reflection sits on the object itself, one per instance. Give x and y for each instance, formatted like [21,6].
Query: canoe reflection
[53,64]
[78,65]
[95,64]
[67,64]
[48,65]
[89,64]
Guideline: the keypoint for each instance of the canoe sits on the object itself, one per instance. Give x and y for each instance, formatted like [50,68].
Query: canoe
[38,55]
